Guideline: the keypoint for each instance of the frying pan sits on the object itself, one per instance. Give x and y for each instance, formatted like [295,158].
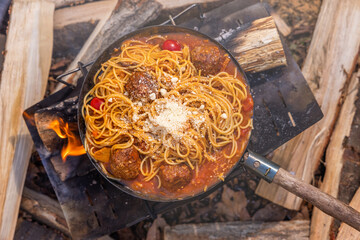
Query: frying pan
[252,161]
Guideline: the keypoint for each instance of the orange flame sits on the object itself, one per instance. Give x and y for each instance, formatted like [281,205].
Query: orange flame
[29,118]
[66,131]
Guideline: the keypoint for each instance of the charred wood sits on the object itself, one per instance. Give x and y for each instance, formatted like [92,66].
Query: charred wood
[297,229]
[44,209]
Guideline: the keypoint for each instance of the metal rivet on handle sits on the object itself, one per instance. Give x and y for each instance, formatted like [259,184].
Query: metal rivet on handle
[260,165]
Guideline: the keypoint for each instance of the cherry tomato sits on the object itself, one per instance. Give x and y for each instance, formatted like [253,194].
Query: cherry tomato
[171,45]
[248,104]
[96,103]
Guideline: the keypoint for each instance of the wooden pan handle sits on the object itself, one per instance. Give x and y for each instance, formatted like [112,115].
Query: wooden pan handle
[319,199]
[271,172]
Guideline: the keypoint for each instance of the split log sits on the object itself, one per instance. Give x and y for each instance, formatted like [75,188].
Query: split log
[64,111]
[71,38]
[127,17]
[154,231]
[297,229]
[321,222]
[171,4]
[346,232]
[32,230]
[166,4]
[283,28]
[48,136]
[44,209]
[23,83]
[350,172]
[258,47]
[331,56]
[83,13]
[66,3]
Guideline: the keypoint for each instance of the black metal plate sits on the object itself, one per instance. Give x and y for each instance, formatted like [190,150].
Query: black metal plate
[92,206]
[89,202]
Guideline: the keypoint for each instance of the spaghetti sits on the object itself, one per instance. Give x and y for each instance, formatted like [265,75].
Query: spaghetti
[178,116]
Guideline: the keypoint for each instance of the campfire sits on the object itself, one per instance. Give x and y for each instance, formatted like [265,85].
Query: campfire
[73,145]
[59,116]
[90,205]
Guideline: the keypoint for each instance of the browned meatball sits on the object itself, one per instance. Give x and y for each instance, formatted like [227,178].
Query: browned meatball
[141,86]
[125,163]
[174,177]
[207,59]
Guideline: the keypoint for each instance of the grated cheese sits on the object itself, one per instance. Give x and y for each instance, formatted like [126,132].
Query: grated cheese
[135,117]
[152,96]
[138,104]
[224,116]
[172,118]
[163,92]
[174,79]
[198,121]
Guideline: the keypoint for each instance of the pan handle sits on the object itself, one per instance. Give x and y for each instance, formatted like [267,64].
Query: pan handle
[80,68]
[326,203]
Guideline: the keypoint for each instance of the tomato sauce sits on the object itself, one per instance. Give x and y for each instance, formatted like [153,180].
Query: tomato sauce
[209,173]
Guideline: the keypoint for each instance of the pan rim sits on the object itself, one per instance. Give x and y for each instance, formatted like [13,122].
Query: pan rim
[88,78]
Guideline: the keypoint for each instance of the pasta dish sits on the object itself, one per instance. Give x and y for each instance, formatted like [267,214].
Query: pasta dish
[168,114]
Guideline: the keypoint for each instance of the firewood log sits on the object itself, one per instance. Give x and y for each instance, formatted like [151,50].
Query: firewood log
[321,222]
[297,229]
[346,232]
[23,83]
[332,55]
[126,17]
[44,209]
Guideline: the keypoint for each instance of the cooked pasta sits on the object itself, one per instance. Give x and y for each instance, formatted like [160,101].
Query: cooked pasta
[158,102]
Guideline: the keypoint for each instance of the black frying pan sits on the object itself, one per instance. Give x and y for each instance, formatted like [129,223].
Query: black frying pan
[88,84]
[258,164]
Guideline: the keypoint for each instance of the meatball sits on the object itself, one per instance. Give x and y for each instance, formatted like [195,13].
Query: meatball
[207,59]
[174,177]
[125,163]
[141,86]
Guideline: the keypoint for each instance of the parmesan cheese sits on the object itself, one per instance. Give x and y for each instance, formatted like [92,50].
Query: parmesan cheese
[135,117]
[172,118]
[174,79]
[163,92]
[152,96]
[138,104]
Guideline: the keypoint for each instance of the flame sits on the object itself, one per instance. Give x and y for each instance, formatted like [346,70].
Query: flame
[29,118]
[66,131]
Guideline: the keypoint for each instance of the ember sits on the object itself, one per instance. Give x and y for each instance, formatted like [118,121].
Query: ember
[64,130]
